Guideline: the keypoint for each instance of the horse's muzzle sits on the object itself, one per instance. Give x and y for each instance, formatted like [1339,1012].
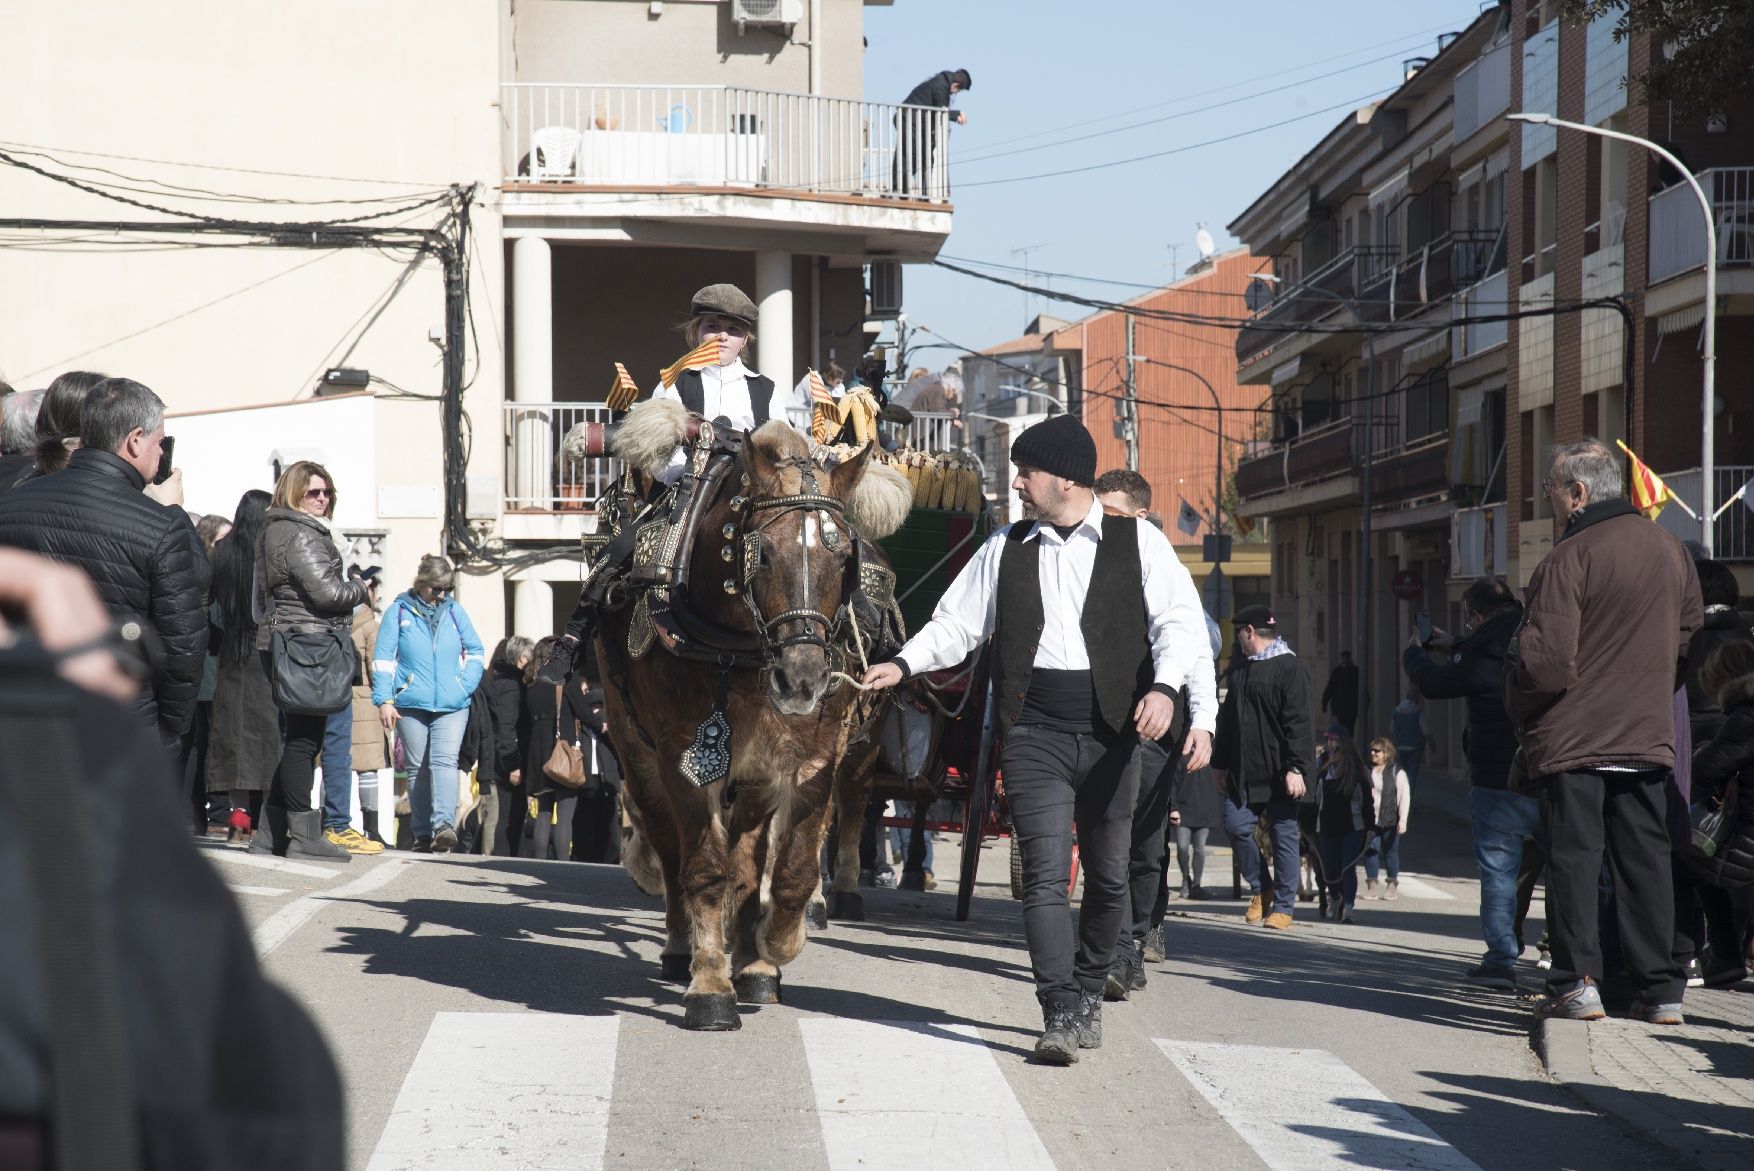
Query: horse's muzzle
[799,680]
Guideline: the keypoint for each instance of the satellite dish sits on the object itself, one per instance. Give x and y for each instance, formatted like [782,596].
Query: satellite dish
[1257,296]
[1204,242]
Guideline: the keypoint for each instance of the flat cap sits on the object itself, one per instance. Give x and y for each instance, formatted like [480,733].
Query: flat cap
[1257,616]
[726,301]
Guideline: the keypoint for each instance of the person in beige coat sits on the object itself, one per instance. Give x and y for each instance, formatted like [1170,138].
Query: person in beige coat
[371,746]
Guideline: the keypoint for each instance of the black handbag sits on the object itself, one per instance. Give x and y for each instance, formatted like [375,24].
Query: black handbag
[312,670]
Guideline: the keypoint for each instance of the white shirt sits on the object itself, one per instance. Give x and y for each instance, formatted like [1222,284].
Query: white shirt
[724,393]
[1176,625]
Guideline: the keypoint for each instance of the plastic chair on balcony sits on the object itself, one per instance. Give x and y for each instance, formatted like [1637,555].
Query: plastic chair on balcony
[552,152]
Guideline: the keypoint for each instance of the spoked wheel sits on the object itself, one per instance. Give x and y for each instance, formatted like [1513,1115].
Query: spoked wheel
[974,817]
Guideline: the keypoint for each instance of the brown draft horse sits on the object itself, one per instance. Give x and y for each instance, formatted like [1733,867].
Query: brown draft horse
[745,860]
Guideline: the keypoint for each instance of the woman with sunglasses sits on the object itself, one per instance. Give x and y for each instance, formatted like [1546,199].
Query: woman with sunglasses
[301,587]
[425,667]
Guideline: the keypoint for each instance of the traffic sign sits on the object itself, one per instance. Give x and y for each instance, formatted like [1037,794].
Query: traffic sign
[1407,585]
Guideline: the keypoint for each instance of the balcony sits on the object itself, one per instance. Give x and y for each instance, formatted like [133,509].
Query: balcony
[1733,534]
[1478,542]
[1331,286]
[1417,472]
[1429,274]
[1472,338]
[1322,453]
[1482,92]
[547,496]
[626,138]
[1677,233]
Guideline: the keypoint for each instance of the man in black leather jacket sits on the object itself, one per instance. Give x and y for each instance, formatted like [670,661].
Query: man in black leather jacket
[1501,819]
[143,557]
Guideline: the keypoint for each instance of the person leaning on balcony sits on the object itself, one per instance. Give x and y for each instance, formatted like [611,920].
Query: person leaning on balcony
[919,133]
[730,394]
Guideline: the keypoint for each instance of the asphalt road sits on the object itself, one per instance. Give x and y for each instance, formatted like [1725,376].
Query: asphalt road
[497,1013]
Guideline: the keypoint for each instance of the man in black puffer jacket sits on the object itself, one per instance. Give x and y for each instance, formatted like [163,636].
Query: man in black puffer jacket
[1501,819]
[144,557]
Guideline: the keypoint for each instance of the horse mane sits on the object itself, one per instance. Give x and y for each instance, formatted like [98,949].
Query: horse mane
[778,446]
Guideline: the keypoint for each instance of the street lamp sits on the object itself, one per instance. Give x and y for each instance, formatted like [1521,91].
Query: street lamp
[1218,413]
[1053,403]
[1366,596]
[1709,391]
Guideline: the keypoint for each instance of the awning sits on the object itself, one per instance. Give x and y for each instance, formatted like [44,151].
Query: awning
[1433,345]
[1285,371]
[1682,320]
[1391,190]
[1498,163]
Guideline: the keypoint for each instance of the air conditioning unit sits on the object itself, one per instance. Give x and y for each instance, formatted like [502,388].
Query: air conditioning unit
[885,289]
[767,11]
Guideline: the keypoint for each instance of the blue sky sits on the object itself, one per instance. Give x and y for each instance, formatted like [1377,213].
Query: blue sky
[1160,74]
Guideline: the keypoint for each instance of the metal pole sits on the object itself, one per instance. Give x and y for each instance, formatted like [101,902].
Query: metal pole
[1708,391]
[1132,418]
[1365,594]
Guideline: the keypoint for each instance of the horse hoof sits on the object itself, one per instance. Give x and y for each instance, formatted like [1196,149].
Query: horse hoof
[757,988]
[676,967]
[912,880]
[816,916]
[846,904]
[710,1014]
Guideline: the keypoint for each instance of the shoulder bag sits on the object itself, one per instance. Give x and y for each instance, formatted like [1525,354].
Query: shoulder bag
[565,765]
[312,670]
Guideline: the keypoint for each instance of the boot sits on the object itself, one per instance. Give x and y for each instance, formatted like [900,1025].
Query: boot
[1370,888]
[270,835]
[370,817]
[304,838]
[1088,1021]
[1058,1044]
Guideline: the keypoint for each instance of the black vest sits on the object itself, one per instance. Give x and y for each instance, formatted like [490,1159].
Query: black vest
[1114,625]
[692,390]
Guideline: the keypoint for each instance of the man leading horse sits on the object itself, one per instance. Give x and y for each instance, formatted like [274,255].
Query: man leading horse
[1096,626]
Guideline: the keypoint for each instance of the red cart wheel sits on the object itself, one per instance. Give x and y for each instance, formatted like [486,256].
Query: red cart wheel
[974,817]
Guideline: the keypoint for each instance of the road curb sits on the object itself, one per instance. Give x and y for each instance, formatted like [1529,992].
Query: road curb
[1564,1049]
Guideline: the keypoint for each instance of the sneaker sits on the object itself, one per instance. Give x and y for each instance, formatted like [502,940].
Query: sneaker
[1392,891]
[1573,1002]
[1255,911]
[423,845]
[1186,891]
[1345,915]
[1278,921]
[1088,1021]
[1694,973]
[444,840]
[1058,1043]
[1199,893]
[1658,1014]
[1152,948]
[353,841]
[1722,972]
[1488,976]
[1369,889]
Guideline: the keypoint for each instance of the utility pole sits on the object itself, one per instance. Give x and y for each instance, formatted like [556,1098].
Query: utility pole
[1130,419]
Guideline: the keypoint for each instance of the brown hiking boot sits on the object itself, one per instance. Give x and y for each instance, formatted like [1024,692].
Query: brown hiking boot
[1253,914]
[1278,920]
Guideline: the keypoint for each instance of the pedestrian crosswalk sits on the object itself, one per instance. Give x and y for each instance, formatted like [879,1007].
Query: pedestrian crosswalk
[491,1089]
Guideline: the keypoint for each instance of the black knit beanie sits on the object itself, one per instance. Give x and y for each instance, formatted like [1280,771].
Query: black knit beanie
[1059,446]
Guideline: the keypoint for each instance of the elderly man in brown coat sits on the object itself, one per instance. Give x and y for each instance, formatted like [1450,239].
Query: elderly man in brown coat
[1590,689]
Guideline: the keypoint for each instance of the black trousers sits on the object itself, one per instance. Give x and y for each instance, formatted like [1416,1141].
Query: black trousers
[507,829]
[1622,815]
[1148,855]
[1055,781]
[291,788]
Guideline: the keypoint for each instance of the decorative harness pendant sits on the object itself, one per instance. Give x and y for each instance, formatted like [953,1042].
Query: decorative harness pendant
[640,633]
[708,759]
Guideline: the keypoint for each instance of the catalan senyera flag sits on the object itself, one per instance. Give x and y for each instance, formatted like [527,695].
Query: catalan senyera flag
[818,390]
[622,391]
[705,354]
[1649,493]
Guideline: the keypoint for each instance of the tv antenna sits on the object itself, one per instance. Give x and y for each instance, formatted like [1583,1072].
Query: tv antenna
[1024,252]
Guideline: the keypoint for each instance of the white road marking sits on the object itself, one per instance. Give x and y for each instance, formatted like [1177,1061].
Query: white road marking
[913,1097]
[270,862]
[1319,1115]
[1413,887]
[274,930]
[264,891]
[485,1090]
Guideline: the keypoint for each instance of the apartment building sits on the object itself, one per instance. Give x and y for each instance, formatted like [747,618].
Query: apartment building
[1395,249]
[626,153]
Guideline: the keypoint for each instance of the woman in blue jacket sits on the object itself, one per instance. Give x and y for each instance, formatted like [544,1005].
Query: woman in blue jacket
[425,666]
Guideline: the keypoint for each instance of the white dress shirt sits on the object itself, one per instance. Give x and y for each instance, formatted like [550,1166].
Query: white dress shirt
[724,393]
[1176,625]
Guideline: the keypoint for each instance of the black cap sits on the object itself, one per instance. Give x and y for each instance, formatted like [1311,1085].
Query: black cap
[1059,446]
[726,301]
[961,77]
[1259,617]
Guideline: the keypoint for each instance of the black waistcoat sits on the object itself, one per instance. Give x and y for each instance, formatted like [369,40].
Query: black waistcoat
[690,387]
[1116,633]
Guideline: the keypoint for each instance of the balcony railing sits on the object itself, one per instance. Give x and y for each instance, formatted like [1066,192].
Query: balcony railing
[1328,288]
[1677,234]
[1733,534]
[643,136]
[1484,299]
[1482,92]
[539,479]
[1478,542]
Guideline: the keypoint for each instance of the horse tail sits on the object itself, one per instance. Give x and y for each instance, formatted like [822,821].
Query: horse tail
[637,855]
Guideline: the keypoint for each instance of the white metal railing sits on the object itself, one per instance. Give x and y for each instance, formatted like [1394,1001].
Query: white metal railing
[1479,541]
[720,136]
[1677,235]
[539,479]
[1482,91]
[1540,91]
[1733,535]
[1484,299]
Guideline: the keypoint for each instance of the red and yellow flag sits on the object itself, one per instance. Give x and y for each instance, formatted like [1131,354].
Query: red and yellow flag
[1649,493]
[818,390]
[622,391]
[705,354]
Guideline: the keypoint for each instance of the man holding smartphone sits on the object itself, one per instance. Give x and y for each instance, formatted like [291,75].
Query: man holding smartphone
[143,556]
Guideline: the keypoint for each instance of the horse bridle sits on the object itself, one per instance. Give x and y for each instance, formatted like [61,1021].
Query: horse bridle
[823,510]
